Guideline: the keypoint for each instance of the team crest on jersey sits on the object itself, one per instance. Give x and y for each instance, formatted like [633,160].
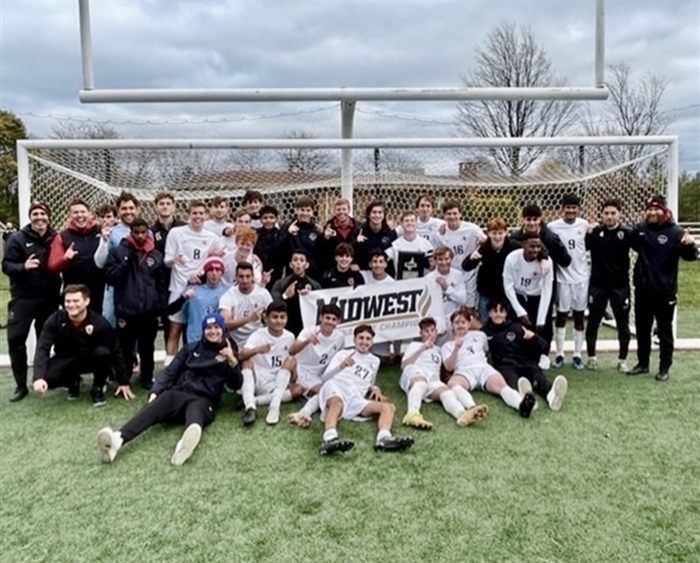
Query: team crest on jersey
[89,329]
[159,236]
[313,236]
[620,235]
[602,234]
[150,262]
[219,358]
[510,336]
[121,323]
[663,239]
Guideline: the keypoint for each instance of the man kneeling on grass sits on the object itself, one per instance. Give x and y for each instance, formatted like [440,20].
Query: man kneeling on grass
[349,392]
[420,380]
[466,357]
[187,391]
[515,351]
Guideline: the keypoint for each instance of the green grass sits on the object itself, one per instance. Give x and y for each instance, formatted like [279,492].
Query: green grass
[612,477]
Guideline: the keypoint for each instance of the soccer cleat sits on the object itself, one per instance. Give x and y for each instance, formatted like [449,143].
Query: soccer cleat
[526,405]
[592,364]
[249,417]
[187,444]
[300,419]
[577,363]
[525,387]
[273,416]
[556,395]
[472,415]
[336,445]
[108,444]
[19,394]
[74,390]
[662,375]
[558,361]
[393,444]
[416,420]
[97,394]
[622,366]
[544,362]
[239,405]
[638,370]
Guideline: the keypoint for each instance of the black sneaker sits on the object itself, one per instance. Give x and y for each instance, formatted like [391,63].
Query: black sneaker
[97,394]
[393,444]
[19,394]
[638,370]
[249,417]
[74,390]
[662,375]
[526,405]
[336,445]
[239,405]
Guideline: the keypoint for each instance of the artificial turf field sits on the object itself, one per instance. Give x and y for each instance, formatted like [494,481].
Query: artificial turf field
[614,476]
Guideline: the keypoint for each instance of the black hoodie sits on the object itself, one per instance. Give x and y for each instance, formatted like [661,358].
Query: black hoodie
[36,283]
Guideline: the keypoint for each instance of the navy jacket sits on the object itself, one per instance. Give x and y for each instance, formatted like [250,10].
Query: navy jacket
[379,239]
[509,348]
[489,278]
[552,243]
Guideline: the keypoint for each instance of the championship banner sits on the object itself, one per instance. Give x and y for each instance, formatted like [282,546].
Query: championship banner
[392,309]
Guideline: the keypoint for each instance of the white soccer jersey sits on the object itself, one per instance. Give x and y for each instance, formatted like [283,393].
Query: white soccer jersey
[402,245]
[525,278]
[462,241]
[241,305]
[573,235]
[455,296]
[267,365]
[473,351]
[217,227]
[195,247]
[231,263]
[428,362]
[360,376]
[424,229]
[314,358]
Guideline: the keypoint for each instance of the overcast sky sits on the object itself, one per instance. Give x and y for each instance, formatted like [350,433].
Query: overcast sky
[161,44]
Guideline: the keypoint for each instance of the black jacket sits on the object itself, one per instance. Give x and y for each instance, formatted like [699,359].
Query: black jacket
[552,243]
[326,247]
[270,242]
[509,348]
[659,249]
[138,279]
[294,321]
[379,239]
[489,278]
[70,341]
[36,283]
[610,256]
[335,278]
[306,239]
[160,233]
[200,370]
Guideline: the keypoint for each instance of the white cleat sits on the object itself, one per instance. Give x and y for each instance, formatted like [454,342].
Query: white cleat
[592,364]
[545,363]
[622,366]
[300,419]
[187,444]
[555,397]
[273,416]
[108,444]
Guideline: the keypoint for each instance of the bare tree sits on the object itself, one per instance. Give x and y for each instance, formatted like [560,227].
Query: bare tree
[633,109]
[512,58]
[249,159]
[302,159]
[388,161]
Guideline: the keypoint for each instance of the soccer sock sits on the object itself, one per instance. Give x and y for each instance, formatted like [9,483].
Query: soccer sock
[330,434]
[463,396]
[579,337]
[311,406]
[281,382]
[510,397]
[248,388]
[451,404]
[263,400]
[381,434]
[559,336]
[168,360]
[415,395]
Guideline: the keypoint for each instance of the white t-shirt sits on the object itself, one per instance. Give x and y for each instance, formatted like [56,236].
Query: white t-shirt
[267,365]
[241,305]
[195,246]
[361,375]
[231,263]
[428,361]
[462,241]
[424,229]
[573,236]
[455,296]
[410,256]
[525,278]
[314,358]
[371,280]
[473,351]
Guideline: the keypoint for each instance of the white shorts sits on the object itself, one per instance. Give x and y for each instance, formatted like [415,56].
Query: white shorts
[264,382]
[179,316]
[353,402]
[306,380]
[572,296]
[476,374]
[472,293]
[412,371]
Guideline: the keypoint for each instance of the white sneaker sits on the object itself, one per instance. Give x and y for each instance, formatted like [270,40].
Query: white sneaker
[187,444]
[545,362]
[555,397]
[622,366]
[108,444]
[592,364]
[273,416]
[524,386]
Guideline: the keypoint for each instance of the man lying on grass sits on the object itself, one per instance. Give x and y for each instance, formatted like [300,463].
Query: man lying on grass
[349,392]
[420,380]
[466,357]
[187,391]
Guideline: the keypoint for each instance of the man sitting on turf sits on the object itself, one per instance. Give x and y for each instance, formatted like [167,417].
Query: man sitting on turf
[466,357]
[268,367]
[349,392]
[420,380]
[187,391]
[313,350]
[515,351]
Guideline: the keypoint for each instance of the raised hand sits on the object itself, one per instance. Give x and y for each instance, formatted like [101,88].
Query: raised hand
[687,238]
[255,314]
[348,361]
[313,337]
[291,290]
[266,277]
[31,262]
[70,252]
[329,232]
[264,348]
[293,228]
[476,255]
[528,334]
[180,259]
[361,238]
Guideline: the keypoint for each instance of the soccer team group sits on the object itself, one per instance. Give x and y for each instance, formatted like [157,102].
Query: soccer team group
[229,284]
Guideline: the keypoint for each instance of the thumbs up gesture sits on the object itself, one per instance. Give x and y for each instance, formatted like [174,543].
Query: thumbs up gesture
[687,238]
